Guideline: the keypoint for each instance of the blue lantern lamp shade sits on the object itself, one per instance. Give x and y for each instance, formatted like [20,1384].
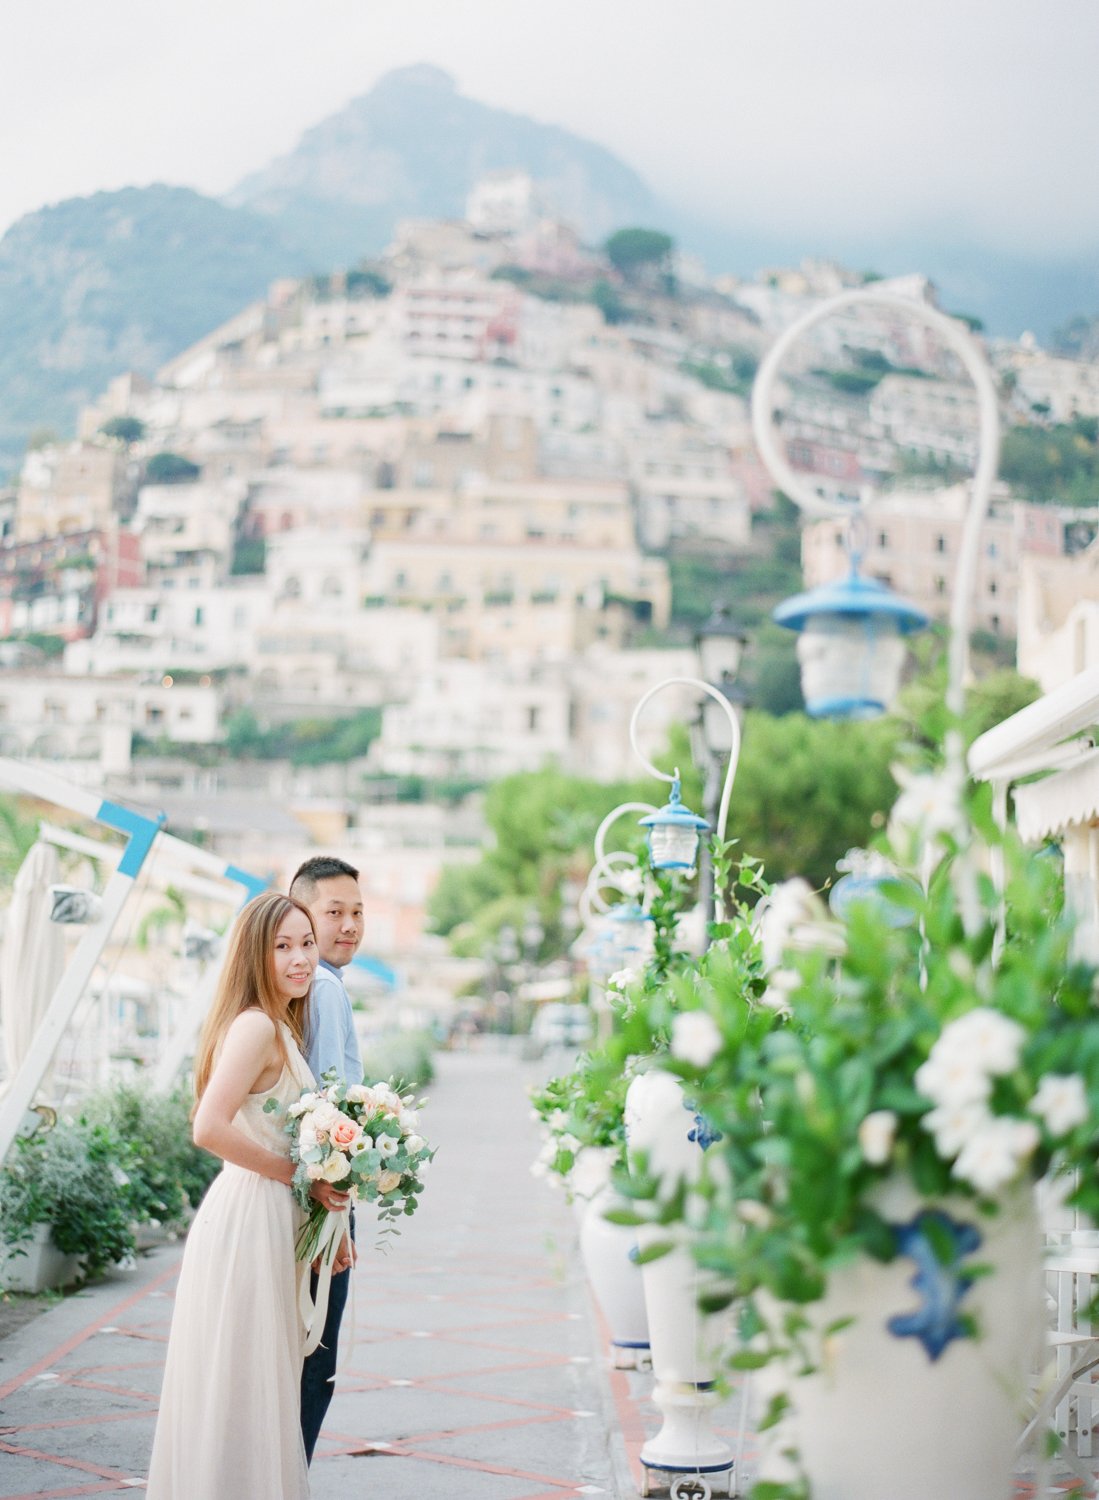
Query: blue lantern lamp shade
[851,647]
[674,832]
[629,935]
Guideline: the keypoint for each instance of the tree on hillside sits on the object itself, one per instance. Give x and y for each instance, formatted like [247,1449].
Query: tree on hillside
[170,468]
[632,250]
[126,429]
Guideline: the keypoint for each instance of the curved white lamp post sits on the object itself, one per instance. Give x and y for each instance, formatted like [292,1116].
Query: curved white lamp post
[670,813]
[957,338]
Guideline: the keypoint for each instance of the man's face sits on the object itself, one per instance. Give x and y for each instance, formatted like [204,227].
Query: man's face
[337,912]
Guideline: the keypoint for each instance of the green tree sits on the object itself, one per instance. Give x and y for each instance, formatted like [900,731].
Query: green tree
[631,250]
[126,429]
[807,790]
[170,468]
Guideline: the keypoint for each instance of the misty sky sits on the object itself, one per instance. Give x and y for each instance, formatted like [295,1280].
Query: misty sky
[971,120]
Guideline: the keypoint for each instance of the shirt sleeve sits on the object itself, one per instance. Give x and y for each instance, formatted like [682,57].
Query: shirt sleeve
[353,1059]
[328,1014]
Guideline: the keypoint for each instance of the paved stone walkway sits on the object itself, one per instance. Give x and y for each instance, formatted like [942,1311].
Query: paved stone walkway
[477,1363]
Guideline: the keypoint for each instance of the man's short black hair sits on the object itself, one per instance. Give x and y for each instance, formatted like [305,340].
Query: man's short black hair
[303,887]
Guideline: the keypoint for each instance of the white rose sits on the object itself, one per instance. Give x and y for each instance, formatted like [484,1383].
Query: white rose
[952,1080]
[995,1154]
[387,1181]
[307,1137]
[386,1145]
[408,1119]
[325,1115]
[985,1039]
[876,1136]
[297,1109]
[358,1093]
[953,1125]
[307,1101]
[1061,1102]
[314,1171]
[336,1168]
[414,1143]
[695,1038]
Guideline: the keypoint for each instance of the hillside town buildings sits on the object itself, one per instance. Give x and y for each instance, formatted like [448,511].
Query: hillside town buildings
[444,490]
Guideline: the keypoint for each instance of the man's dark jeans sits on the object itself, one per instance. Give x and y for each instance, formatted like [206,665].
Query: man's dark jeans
[316,1386]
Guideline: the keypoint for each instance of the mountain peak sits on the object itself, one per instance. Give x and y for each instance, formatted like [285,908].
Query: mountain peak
[417,76]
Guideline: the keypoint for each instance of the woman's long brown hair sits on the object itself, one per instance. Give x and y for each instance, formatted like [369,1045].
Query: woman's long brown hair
[248,980]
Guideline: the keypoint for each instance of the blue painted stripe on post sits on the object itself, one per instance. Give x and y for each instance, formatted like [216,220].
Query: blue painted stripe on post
[253,885]
[141,830]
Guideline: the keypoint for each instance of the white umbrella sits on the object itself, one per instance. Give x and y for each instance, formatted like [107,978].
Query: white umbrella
[32,958]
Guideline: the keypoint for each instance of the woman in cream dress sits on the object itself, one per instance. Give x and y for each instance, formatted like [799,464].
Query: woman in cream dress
[228,1426]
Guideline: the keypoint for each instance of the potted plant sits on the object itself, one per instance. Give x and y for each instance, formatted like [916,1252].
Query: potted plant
[878,1117]
[65,1206]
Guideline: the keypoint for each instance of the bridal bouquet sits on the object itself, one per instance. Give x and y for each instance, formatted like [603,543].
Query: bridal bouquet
[362,1138]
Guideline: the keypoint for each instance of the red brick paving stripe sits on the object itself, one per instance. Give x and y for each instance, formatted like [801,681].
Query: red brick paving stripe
[66,1463]
[114,1416]
[74,1342]
[428,1383]
[111,1390]
[398,1450]
[111,1487]
[452,1432]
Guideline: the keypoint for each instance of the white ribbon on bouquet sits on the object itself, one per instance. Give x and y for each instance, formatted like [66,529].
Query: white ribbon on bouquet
[315,1311]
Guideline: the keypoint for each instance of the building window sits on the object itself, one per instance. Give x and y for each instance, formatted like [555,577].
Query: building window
[940,585]
[992,587]
[199,614]
[883,539]
[940,543]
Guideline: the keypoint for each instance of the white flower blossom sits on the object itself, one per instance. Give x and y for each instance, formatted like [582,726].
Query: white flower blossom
[1061,1102]
[930,805]
[386,1145]
[953,1125]
[783,909]
[781,985]
[985,1039]
[695,1039]
[621,979]
[414,1144]
[952,1081]
[336,1168]
[876,1135]
[752,1212]
[994,1156]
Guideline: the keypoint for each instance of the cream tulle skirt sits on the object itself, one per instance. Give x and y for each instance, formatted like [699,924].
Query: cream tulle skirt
[230,1421]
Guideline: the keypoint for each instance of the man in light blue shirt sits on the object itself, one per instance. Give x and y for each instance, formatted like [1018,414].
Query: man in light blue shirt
[329,888]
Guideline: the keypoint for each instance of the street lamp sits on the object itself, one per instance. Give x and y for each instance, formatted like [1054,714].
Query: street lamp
[960,341]
[674,831]
[851,645]
[720,645]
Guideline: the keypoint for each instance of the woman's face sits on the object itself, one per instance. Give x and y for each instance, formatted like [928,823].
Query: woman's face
[294,958]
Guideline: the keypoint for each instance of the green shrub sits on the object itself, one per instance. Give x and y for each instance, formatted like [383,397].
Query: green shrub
[168,1173]
[74,1179]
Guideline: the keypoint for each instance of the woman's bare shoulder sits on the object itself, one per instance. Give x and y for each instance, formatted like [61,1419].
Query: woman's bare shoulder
[252,1025]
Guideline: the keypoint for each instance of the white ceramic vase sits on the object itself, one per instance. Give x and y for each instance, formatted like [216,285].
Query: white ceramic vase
[609,1252]
[903,1404]
[660,1125]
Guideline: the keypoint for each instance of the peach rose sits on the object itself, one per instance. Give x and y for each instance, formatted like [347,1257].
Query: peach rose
[387,1181]
[345,1132]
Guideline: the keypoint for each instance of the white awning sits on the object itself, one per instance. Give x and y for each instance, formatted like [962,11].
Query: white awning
[1027,740]
[1048,807]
